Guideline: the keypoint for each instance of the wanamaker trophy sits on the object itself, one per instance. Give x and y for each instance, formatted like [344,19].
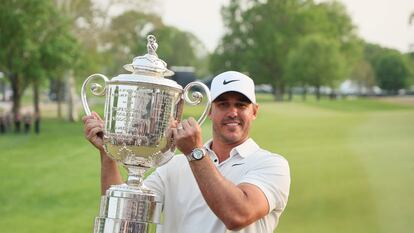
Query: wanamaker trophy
[139,109]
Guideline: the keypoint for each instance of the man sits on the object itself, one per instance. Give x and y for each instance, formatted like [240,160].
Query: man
[229,183]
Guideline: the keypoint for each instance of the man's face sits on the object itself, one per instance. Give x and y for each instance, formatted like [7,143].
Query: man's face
[231,114]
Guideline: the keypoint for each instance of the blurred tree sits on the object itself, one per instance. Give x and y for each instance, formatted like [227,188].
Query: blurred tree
[34,47]
[317,62]
[84,20]
[111,40]
[260,34]
[126,38]
[331,20]
[59,53]
[372,52]
[411,22]
[363,75]
[89,20]
[410,56]
[257,38]
[181,48]
[388,77]
[92,22]
[29,41]
[393,71]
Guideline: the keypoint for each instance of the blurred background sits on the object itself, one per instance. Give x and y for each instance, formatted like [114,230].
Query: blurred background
[334,79]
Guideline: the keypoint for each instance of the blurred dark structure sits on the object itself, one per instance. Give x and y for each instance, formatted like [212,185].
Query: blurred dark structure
[37,123]
[183,75]
[56,90]
[27,121]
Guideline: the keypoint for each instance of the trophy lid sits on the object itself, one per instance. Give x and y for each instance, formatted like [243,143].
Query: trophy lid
[149,64]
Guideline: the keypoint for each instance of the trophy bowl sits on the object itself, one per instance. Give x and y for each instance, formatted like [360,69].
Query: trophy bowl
[139,111]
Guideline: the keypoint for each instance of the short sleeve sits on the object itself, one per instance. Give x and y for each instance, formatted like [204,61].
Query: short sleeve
[272,176]
[155,182]
[160,180]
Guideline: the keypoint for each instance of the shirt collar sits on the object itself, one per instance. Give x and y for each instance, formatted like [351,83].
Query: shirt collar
[245,149]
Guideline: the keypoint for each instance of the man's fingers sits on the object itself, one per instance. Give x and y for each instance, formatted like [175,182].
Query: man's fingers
[179,126]
[174,133]
[86,131]
[93,124]
[185,124]
[86,118]
[173,122]
[94,132]
[90,134]
[96,115]
[192,122]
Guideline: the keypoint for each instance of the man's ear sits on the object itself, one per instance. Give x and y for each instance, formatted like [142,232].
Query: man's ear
[255,110]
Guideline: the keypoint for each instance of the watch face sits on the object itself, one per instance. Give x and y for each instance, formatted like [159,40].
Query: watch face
[198,154]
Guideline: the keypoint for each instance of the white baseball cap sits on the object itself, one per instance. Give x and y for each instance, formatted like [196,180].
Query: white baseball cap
[233,81]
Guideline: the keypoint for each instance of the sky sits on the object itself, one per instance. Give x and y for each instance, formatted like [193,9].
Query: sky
[383,22]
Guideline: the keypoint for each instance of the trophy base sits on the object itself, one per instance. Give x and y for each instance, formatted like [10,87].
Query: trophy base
[128,209]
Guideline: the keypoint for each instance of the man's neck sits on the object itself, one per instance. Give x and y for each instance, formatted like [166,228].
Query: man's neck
[222,149]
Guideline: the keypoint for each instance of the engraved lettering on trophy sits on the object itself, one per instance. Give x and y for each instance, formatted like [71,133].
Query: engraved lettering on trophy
[133,210]
[141,209]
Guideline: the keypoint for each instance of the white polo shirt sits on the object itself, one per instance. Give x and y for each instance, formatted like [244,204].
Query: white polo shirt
[185,210]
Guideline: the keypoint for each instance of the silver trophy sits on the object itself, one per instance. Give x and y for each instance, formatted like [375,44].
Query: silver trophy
[139,109]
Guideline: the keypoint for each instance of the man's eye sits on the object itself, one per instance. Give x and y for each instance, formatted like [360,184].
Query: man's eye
[222,104]
[241,105]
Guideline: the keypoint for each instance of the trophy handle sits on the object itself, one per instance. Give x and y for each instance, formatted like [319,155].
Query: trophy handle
[96,90]
[198,97]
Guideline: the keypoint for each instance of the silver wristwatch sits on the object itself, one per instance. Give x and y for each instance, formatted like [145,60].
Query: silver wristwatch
[196,154]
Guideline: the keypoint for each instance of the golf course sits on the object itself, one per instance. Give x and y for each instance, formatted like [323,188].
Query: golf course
[351,161]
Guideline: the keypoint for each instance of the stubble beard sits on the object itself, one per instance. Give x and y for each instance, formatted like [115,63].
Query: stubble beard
[229,139]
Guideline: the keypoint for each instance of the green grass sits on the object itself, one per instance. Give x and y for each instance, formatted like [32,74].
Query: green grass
[352,164]
[50,182]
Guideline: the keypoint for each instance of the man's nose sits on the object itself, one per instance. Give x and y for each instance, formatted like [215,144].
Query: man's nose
[232,112]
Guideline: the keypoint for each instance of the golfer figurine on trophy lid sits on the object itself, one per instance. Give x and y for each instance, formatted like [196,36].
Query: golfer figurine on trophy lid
[139,108]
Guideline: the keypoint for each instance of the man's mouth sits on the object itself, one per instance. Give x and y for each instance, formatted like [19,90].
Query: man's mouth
[231,123]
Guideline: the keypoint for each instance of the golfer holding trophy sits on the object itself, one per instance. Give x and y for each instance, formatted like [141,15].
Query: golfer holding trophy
[228,184]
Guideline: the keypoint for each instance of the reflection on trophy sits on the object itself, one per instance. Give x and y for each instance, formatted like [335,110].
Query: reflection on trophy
[139,108]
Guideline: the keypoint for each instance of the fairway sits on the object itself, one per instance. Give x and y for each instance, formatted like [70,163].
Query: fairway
[352,167]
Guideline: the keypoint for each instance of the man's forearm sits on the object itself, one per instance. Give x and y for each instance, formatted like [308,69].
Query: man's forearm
[110,174]
[236,206]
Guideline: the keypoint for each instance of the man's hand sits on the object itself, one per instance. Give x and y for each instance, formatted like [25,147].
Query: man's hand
[187,136]
[93,130]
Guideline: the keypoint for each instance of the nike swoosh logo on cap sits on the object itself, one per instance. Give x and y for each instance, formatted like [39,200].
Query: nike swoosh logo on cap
[230,81]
